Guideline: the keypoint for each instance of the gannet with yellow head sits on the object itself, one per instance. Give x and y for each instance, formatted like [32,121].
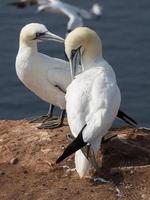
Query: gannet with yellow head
[46,76]
[92,99]
[79,47]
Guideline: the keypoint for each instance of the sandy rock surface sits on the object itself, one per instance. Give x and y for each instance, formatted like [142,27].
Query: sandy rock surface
[27,171]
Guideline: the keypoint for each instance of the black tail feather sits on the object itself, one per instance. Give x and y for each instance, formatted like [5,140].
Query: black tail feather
[77,144]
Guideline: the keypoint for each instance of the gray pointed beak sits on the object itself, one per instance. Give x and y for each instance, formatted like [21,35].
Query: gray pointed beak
[50,36]
[74,62]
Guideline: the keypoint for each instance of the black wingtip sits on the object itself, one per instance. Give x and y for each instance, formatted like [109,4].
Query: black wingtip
[126,118]
[18,4]
[77,144]
[61,158]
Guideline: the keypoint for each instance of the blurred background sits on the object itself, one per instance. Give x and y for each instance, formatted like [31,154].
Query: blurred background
[125,32]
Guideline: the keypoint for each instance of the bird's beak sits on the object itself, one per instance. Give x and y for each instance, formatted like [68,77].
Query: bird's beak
[74,62]
[50,36]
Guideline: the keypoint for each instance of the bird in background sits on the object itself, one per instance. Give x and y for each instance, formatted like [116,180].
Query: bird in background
[92,99]
[74,13]
[23,3]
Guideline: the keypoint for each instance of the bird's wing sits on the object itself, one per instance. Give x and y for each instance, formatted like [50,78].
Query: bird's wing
[82,162]
[49,6]
[59,77]
[84,13]
[74,10]
[93,100]
[74,22]
[105,102]
[70,10]
[54,6]
[43,2]
[77,144]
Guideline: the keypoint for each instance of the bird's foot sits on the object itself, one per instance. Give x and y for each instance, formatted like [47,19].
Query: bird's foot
[51,124]
[42,119]
[69,170]
[100,180]
[118,192]
[51,165]
[97,179]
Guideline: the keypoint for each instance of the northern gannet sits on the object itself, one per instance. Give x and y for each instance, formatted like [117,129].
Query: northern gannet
[92,99]
[45,76]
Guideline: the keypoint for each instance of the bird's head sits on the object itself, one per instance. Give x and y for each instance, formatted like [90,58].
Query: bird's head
[36,32]
[82,45]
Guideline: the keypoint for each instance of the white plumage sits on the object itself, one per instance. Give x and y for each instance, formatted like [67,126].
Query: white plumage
[75,14]
[93,97]
[47,77]
[97,9]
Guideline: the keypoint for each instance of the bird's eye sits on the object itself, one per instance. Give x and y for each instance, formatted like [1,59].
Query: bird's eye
[38,34]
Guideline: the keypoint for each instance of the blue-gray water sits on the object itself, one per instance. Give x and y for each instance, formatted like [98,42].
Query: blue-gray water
[125,32]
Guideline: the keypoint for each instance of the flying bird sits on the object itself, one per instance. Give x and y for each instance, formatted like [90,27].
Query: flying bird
[74,13]
[23,3]
[92,99]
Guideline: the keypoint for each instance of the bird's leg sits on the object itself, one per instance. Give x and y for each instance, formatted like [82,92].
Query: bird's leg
[54,123]
[90,155]
[46,117]
[50,114]
[92,159]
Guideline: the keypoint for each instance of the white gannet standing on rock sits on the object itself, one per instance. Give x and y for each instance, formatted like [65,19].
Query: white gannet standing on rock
[92,99]
[75,14]
[47,77]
